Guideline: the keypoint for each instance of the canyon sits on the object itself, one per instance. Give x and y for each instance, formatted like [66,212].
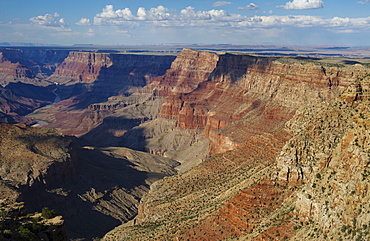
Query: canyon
[198,146]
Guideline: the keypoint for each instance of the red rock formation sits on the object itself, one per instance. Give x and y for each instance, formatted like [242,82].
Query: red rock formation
[93,78]
[10,71]
[256,112]
[243,95]
[188,70]
[88,67]
[82,66]
[28,65]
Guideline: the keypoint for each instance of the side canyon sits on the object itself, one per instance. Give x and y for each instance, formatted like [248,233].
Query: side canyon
[198,146]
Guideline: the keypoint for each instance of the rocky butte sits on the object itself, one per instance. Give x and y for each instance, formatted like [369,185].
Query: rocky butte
[271,148]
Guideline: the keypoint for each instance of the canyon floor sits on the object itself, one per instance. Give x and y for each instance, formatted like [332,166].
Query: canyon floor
[212,144]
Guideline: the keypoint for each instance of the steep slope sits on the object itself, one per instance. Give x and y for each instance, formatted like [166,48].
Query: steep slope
[91,78]
[18,100]
[29,65]
[45,169]
[244,107]
[330,155]
[232,98]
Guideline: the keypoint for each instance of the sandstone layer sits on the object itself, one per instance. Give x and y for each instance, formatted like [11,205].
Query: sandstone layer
[276,123]
[92,78]
[29,65]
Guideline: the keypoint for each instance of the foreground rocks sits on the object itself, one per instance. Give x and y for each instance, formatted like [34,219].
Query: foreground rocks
[45,169]
[17,224]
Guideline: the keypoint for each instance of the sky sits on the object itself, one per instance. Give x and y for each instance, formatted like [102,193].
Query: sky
[239,22]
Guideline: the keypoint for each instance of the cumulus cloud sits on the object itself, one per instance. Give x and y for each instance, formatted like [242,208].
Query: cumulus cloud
[84,22]
[109,16]
[221,3]
[161,16]
[49,20]
[158,13]
[302,4]
[250,6]
[189,17]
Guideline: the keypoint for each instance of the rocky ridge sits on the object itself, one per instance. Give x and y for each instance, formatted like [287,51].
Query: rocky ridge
[299,111]
[45,169]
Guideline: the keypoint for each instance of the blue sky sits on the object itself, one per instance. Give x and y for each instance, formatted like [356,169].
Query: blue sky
[283,22]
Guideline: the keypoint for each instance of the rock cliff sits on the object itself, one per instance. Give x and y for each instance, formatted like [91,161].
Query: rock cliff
[291,138]
[29,65]
[95,78]
[247,87]
[18,100]
[329,155]
[88,67]
[82,66]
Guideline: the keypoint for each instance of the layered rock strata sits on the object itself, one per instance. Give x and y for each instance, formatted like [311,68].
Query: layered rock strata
[18,100]
[245,87]
[255,108]
[329,154]
[93,78]
[29,65]
[88,67]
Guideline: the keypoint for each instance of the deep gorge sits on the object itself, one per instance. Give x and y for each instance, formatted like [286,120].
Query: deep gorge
[249,146]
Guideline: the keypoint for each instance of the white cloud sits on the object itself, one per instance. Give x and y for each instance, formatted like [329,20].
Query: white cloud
[125,17]
[90,32]
[364,2]
[250,6]
[49,20]
[110,17]
[221,3]
[158,13]
[189,17]
[303,4]
[84,22]
[189,14]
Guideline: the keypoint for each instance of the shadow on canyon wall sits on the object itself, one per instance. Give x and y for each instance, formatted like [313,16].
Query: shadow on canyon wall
[95,197]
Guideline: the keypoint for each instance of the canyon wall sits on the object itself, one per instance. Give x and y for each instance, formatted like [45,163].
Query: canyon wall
[19,99]
[29,65]
[223,98]
[102,81]
[88,67]
[289,139]
[238,92]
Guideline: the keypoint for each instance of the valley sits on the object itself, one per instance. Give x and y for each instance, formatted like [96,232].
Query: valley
[189,145]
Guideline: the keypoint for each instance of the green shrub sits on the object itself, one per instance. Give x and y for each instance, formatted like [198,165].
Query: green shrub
[48,213]
[26,234]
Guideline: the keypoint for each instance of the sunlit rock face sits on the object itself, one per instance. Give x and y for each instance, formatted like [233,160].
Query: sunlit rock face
[291,139]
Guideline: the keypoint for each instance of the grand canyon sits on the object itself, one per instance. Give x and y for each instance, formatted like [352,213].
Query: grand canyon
[196,144]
